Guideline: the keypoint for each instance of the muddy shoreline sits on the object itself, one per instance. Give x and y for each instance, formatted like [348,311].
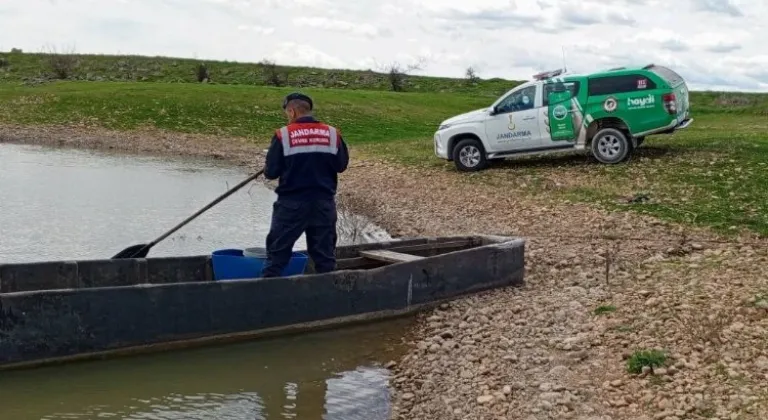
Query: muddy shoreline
[146,141]
[557,348]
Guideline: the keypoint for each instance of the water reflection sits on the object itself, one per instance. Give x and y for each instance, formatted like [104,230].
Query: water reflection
[333,375]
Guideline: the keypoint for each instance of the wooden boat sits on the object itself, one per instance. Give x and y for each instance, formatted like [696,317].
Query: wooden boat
[59,311]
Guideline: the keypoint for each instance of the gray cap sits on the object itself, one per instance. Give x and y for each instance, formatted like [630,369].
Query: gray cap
[299,96]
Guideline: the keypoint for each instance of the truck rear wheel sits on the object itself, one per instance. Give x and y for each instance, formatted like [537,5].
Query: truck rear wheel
[610,146]
[469,156]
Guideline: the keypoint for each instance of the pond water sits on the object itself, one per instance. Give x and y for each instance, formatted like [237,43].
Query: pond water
[73,204]
[331,375]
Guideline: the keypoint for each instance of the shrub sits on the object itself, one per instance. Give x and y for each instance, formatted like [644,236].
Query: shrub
[471,75]
[272,74]
[62,65]
[202,73]
[397,73]
[641,359]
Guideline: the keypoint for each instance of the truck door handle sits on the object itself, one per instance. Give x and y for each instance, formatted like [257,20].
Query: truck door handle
[529,118]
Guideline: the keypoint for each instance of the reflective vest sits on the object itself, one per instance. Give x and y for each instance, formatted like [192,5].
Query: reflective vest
[308,137]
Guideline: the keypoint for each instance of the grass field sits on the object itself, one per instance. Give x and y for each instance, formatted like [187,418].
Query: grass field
[715,173]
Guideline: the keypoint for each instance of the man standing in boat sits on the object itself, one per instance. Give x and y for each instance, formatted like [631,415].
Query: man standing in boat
[307,156]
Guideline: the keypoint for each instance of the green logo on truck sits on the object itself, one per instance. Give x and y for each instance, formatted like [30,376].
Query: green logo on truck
[560,112]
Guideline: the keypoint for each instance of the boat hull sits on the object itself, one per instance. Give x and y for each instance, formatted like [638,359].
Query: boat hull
[58,311]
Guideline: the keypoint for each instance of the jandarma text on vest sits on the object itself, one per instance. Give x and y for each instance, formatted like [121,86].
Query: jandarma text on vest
[303,132]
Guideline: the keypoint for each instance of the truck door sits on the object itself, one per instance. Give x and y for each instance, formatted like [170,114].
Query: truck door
[514,125]
[559,120]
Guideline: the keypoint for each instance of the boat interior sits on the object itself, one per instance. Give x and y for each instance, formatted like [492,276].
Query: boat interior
[369,256]
[50,275]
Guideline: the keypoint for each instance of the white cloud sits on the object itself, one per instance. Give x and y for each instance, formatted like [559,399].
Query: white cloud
[254,28]
[335,25]
[714,43]
[726,7]
[294,54]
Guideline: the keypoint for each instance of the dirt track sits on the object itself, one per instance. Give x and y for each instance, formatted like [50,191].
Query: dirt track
[541,352]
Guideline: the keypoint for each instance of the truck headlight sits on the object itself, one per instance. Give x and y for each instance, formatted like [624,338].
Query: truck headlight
[443,127]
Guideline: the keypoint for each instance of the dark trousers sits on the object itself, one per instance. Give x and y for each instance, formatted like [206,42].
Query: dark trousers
[290,218]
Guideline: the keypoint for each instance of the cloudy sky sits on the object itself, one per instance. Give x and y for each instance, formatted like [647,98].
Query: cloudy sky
[714,44]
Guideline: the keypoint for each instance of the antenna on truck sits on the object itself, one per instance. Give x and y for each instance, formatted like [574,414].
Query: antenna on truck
[552,73]
[565,69]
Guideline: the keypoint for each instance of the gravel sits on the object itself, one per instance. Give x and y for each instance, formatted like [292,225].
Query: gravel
[541,351]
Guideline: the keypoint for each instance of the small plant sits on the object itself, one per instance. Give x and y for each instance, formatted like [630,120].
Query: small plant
[605,309]
[643,358]
[3,62]
[721,370]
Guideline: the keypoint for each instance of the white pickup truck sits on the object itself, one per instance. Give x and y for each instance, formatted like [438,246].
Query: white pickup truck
[607,113]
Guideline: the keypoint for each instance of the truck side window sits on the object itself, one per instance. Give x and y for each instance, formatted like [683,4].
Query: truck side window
[573,87]
[518,101]
[608,85]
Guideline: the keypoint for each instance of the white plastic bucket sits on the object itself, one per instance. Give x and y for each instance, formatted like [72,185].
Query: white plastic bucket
[255,252]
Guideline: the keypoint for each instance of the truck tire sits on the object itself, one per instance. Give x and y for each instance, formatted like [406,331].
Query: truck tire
[469,156]
[610,146]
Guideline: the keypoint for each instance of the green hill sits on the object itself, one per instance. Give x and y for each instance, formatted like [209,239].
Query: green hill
[241,99]
[25,67]
[36,68]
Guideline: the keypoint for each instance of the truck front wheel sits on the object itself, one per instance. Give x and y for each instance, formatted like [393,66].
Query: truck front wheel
[610,146]
[469,156]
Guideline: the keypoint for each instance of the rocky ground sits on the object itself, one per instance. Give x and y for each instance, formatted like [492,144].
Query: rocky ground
[691,316]
[560,346]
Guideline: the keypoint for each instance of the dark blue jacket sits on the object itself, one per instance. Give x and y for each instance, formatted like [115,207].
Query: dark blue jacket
[309,174]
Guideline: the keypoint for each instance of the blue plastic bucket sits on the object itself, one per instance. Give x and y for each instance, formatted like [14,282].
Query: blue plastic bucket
[230,264]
